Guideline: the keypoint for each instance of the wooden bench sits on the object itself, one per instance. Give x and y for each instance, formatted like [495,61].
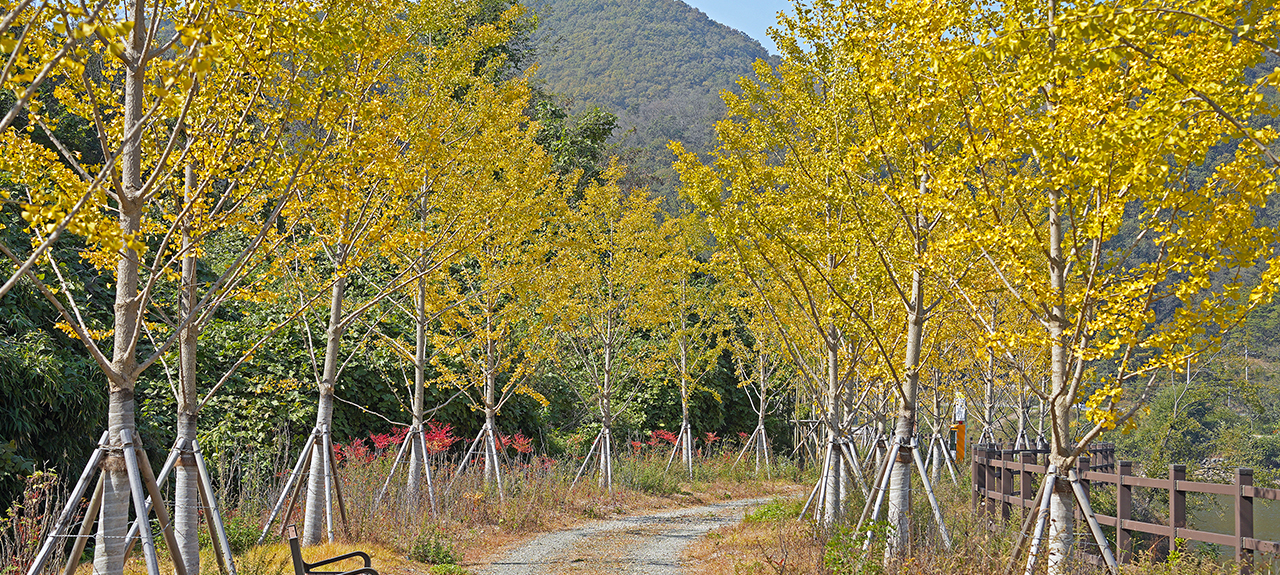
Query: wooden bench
[301,567]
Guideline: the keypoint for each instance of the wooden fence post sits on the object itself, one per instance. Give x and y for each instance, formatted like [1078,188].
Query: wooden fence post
[1177,502]
[1006,484]
[978,476]
[993,475]
[1024,482]
[1124,512]
[1244,519]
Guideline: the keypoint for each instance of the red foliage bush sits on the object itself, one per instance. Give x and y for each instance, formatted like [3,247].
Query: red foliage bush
[438,437]
[659,435]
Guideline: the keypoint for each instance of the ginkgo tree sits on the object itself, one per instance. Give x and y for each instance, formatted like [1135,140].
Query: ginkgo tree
[148,99]
[789,237]
[392,155]
[1081,122]
[874,132]
[759,362]
[492,342]
[606,244]
[687,307]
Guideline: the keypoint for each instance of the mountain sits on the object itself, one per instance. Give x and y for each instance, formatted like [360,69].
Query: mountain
[659,65]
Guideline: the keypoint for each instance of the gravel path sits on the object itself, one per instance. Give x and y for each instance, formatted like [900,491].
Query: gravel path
[639,545]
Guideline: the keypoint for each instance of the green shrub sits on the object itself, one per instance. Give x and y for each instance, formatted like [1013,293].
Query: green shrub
[843,553]
[774,511]
[447,569]
[432,547]
[242,533]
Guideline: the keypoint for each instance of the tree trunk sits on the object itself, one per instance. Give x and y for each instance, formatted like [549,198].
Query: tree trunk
[606,453]
[108,555]
[490,401]
[989,395]
[417,458]
[1062,517]
[831,496]
[317,496]
[606,408]
[685,427]
[900,481]
[186,495]
[1061,526]
[113,518]
[761,441]
[490,448]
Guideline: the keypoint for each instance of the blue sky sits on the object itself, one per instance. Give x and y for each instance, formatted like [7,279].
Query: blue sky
[750,16]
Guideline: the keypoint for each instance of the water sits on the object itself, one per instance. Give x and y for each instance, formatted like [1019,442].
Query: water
[1216,513]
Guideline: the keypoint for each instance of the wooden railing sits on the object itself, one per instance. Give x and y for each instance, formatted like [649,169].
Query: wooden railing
[1005,478]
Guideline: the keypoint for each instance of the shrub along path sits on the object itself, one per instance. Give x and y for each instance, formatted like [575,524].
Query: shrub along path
[641,545]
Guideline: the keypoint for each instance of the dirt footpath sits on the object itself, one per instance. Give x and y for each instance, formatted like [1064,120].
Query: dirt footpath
[638,545]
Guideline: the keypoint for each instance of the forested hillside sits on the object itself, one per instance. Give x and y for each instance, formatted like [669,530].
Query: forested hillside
[658,65]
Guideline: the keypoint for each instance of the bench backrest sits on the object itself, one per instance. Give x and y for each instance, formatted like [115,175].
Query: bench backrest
[295,549]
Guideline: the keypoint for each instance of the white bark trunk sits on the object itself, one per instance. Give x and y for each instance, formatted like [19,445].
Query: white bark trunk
[186,493]
[899,537]
[1062,516]
[490,401]
[112,518]
[831,509]
[687,429]
[417,458]
[314,515]
[1061,527]
[110,545]
[490,449]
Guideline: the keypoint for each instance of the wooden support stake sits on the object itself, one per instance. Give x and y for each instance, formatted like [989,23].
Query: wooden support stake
[337,492]
[1082,497]
[284,493]
[297,487]
[933,501]
[326,461]
[73,502]
[590,452]
[215,540]
[139,501]
[426,471]
[1042,517]
[86,527]
[217,529]
[162,513]
[394,464]
[1026,529]
[465,459]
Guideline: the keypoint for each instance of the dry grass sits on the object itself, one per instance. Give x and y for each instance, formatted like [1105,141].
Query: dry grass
[771,541]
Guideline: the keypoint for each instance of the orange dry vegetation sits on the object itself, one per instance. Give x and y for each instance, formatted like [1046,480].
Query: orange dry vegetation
[771,541]
[756,547]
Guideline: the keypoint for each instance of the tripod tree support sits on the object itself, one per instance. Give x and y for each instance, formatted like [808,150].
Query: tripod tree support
[488,438]
[141,481]
[684,446]
[601,448]
[322,438]
[415,436]
[295,476]
[1041,517]
[760,441]
[872,509]
[204,489]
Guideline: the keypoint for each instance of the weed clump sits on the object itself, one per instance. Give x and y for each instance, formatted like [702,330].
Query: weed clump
[434,548]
